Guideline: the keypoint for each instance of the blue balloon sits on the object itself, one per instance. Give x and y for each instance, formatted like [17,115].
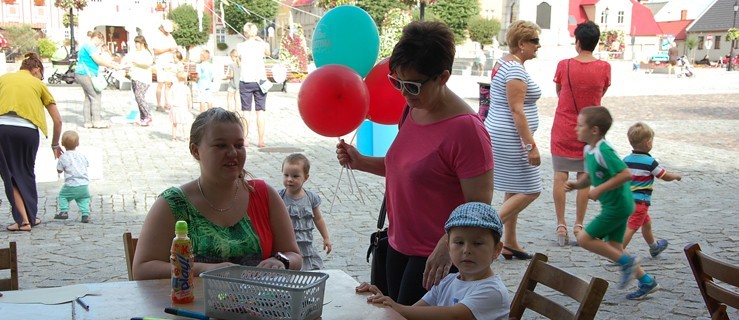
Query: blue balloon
[348,36]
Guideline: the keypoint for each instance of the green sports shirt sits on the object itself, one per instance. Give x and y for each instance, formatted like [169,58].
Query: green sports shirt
[603,163]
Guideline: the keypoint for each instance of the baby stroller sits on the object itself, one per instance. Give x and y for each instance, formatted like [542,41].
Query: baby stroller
[685,67]
[68,75]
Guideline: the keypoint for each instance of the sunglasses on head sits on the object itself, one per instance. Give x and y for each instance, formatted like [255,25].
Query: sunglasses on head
[534,40]
[411,87]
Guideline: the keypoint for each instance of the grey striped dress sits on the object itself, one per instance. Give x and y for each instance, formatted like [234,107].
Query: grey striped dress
[512,172]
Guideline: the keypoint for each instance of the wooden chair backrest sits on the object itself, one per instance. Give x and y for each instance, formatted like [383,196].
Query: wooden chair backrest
[129,246]
[9,260]
[707,268]
[588,294]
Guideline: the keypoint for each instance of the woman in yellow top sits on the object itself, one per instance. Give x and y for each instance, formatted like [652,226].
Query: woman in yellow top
[23,98]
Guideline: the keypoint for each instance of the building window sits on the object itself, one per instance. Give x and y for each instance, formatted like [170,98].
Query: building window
[603,17]
[220,35]
[620,17]
[544,15]
[717,42]
[701,40]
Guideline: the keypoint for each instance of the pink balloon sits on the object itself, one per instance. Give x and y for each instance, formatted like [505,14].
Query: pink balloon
[333,100]
[386,103]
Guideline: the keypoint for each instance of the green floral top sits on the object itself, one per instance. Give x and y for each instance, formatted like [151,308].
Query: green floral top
[212,243]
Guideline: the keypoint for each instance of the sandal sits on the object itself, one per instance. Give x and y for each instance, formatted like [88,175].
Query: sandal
[16,227]
[575,229]
[562,237]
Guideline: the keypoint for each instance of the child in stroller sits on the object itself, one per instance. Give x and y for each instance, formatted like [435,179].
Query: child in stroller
[685,67]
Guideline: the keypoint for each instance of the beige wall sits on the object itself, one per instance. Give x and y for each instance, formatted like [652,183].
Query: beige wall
[490,9]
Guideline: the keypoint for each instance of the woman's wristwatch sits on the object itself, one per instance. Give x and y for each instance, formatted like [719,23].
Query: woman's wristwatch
[530,146]
[282,258]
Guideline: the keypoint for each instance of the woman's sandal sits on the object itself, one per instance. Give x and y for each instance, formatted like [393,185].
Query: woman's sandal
[575,230]
[515,253]
[562,237]
[16,227]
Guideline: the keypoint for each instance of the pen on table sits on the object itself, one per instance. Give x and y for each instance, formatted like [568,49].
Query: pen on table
[186,313]
[82,303]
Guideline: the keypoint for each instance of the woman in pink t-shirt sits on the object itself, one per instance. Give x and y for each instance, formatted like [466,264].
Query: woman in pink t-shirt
[440,159]
[581,82]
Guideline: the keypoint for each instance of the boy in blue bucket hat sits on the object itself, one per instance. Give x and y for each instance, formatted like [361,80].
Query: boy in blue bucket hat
[473,232]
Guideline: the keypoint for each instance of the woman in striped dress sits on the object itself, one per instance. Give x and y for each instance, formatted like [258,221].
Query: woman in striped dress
[511,123]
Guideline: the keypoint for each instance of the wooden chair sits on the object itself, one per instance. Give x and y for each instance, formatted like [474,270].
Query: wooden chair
[707,268]
[9,260]
[588,294]
[129,246]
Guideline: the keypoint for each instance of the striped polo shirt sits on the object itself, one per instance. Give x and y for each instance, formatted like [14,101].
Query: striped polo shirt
[643,170]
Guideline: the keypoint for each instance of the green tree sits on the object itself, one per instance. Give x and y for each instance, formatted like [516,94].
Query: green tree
[456,14]
[186,32]
[392,29]
[236,17]
[23,38]
[691,42]
[483,30]
[46,47]
[377,9]
[330,4]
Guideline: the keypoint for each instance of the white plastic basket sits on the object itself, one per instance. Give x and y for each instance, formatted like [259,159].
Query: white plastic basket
[241,292]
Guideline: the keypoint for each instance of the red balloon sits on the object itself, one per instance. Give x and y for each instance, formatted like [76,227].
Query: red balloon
[333,100]
[386,103]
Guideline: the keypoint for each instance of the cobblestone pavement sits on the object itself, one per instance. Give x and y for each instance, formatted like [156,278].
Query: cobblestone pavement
[696,135]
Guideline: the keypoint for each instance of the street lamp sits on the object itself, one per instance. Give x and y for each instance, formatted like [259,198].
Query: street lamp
[605,18]
[731,52]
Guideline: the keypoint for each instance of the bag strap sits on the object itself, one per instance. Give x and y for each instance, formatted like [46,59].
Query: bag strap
[569,82]
[383,207]
[382,215]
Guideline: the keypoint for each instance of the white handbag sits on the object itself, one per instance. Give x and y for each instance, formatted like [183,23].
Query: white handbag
[98,82]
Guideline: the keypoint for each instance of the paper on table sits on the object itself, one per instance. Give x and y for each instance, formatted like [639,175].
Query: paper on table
[46,295]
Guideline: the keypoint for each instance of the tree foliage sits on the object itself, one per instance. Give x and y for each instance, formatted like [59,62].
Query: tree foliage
[236,17]
[330,4]
[732,34]
[23,38]
[456,14]
[392,29]
[377,9]
[186,32]
[483,30]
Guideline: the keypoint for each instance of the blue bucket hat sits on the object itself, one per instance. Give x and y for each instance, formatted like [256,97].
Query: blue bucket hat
[475,214]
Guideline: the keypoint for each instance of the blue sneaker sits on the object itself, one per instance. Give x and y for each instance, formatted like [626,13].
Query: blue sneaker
[661,246]
[629,271]
[644,290]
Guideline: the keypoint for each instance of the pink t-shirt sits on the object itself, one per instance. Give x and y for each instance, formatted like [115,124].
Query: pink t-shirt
[589,79]
[423,169]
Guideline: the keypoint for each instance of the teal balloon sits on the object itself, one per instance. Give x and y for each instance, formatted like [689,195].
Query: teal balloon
[347,35]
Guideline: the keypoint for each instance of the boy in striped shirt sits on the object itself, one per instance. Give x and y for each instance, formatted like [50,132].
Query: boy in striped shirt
[643,170]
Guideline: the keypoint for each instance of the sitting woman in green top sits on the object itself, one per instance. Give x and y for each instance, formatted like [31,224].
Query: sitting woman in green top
[231,219]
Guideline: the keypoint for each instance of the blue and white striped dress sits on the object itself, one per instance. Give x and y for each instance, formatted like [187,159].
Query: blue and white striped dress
[512,172]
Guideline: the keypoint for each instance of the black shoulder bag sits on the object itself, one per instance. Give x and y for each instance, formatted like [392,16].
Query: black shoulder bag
[379,242]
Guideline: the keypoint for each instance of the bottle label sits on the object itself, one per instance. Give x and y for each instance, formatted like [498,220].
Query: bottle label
[182,261]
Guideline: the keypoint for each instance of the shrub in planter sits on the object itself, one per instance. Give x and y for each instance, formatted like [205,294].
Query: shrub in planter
[222,46]
[46,48]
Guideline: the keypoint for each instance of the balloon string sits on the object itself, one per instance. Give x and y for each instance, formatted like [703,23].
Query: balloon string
[350,171]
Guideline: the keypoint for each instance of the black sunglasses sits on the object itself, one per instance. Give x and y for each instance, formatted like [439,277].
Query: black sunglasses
[534,41]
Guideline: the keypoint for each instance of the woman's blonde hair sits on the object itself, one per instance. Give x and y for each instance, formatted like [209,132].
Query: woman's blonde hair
[250,30]
[519,31]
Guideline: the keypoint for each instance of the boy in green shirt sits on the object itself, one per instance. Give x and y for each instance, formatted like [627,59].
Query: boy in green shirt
[610,177]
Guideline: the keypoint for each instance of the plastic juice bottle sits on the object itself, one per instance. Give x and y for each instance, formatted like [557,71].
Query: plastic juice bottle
[182,262]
